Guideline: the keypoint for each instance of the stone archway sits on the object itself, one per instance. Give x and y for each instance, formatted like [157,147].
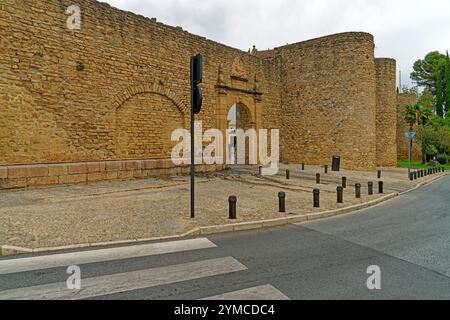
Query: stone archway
[144,122]
[238,118]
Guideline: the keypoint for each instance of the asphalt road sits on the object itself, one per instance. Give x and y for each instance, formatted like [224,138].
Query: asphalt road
[408,238]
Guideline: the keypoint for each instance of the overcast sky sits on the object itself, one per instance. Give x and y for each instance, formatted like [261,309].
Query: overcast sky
[404,29]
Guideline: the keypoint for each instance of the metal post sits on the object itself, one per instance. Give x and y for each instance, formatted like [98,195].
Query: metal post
[192,144]
[410,136]
[380,187]
[411,176]
[318,178]
[282,202]
[340,195]
[303,167]
[260,171]
[326,168]
[379,174]
[370,188]
[344,182]
[316,194]
[288,174]
[358,190]
[415,175]
[232,201]
[409,156]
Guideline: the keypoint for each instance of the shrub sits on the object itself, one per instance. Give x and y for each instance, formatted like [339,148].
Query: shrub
[442,158]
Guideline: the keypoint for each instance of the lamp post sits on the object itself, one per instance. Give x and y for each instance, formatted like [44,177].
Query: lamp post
[410,136]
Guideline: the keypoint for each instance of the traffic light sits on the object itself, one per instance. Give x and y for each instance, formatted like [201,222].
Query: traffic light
[196,79]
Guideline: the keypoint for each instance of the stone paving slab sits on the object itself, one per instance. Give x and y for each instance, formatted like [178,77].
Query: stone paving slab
[103,212]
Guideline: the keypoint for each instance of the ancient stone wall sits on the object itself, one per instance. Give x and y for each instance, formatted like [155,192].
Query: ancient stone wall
[116,89]
[133,91]
[386,112]
[329,101]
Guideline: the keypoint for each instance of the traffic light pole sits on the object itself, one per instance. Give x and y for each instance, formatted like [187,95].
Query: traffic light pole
[196,105]
[192,144]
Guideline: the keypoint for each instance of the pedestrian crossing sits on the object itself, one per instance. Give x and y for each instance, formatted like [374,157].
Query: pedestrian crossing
[130,281]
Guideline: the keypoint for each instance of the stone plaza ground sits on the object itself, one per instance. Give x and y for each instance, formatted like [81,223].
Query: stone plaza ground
[141,209]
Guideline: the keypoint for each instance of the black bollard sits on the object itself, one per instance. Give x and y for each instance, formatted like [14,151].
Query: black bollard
[288,174]
[379,174]
[411,176]
[260,171]
[370,188]
[318,178]
[282,202]
[344,182]
[340,195]
[326,168]
[232,201]
[415,175]
[316,194]
[358,190]
[303,167]
[380,187]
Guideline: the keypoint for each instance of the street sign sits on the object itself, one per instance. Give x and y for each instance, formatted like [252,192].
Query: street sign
[410,135]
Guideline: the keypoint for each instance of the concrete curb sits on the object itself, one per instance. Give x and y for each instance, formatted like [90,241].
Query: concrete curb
[209,230]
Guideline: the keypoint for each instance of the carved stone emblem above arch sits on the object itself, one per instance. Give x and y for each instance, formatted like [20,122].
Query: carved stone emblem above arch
[238,70]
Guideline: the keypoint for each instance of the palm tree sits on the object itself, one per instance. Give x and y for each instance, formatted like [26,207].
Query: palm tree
[411,115]
[416,114]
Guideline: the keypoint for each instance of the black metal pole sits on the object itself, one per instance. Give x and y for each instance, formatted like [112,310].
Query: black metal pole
[192,143]
[282,202]
[316,197]
[358,190]
[232,201]
[340,195]
[344,182]
[370,188]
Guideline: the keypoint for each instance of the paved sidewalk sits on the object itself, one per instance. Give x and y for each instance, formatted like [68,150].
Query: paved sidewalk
[140,209]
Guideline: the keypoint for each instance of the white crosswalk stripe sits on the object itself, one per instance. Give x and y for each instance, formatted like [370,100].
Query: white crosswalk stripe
[264,293]
[128,281]
[104,285]
[102,255]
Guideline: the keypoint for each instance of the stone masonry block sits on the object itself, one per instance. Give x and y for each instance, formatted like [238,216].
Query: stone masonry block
[77,168]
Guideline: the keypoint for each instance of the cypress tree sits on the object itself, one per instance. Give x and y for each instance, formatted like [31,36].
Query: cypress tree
[439,95]
[447,86]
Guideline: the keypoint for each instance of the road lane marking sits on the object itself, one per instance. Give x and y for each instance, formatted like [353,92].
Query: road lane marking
[265,293]
[129,281]
[101,255]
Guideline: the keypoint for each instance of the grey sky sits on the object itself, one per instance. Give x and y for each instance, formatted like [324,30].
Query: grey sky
[404,29]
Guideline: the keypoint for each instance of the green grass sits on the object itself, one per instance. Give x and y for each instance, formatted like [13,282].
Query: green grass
[417,165]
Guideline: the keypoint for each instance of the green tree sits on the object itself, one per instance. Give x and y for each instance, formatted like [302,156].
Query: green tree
[427,100]
[411,115]
[439,96]
[447,85]
[416,114]
[428,139]
[426,71]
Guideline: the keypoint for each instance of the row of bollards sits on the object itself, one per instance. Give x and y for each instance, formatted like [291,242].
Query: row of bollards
[232,200]
[425,172]
[340,189]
